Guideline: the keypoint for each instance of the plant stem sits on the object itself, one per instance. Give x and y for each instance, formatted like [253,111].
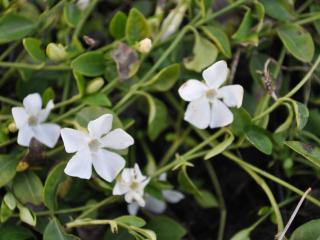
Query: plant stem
[41,66]
[10,101]
[67,102]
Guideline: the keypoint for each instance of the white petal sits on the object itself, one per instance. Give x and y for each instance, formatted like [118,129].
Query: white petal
[133,208]
[73,140]
[163,177]
[220,115]
[32,103]
[129,197]
[117,139]
[24,136]
[44,113]
[138,175]
[172,196]
[216,74]
[100,126]
[20,116]
[198,113]
[127,174]
[231,95]
[120,189]
[139,199]
[80,165]
[192,90]
[47,133]
[108,164]
[155,205]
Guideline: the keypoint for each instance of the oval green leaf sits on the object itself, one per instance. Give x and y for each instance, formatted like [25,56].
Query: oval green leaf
[8,166]
[307,231]
[33,48]
[137,27]
[117,25]
[89,64]
[258,138]
[54,231]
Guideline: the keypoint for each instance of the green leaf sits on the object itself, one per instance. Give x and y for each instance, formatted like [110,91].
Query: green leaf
[160,121]
[207,200]
[301,113]
[8,166]
[14,27]
[81,82]
[278,9]
[166,78]
[48,95]
[186,183]
[33,48]
[137,27]
[308,151]
[244,34]
[27,216]
[242,123]
[204,54]
[166,228]
[27,187]
[97,99]
[5,212]
[117,25]
[218,36]
[89,64]
[297,41]
[14,232]
[54,231]
[131,221]
[220,147]
[243,234]
[10,200]
[72,14]
[55,177]
[258,138]
[307,231]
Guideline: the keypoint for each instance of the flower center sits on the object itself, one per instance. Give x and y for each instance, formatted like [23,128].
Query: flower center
[211,94]
[134,185]
[94,145]
[32,121]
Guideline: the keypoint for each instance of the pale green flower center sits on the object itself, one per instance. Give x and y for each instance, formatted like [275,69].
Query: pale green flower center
[134,185]
[211,93]
[94,145]
[32,121]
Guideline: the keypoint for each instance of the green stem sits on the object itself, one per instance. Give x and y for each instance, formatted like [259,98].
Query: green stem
[67,102]
[6,143]
[10,101]
[63,211]
[310,19]
[69,113]
[41,66]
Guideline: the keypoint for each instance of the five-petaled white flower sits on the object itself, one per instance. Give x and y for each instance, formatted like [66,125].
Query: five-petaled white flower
[171,196]
[131,184]
[93,148]
[208,102]
[30,118]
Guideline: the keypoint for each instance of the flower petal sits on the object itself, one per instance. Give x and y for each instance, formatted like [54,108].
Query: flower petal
[47,133]
[172,196]
[80,165]
[20,116]
[216,74]
[120,188]
[220,114]
[24,136]
[44,113]
[73,140]
[32,103]
[192,90]
[133,208]
[117,139]
[198,113]
[163,177]
[155,205]
[100,126]
[108,164]
[231,95]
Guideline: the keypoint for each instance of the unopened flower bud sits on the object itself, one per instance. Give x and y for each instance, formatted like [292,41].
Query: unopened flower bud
[94,85]
[12,127]
[56,52]
[145,45]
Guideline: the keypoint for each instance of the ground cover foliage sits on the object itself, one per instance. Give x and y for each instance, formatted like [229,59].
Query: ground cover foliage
[104,136]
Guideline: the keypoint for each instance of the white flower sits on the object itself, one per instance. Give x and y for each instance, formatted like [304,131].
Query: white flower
[208,102]
[131,184]
[171,196]
[83,4]
[29,121]
[91,149]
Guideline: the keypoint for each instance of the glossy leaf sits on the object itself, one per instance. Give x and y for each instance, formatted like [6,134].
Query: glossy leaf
[243,122]
[54,231]
[297,41]
[220,147]
[14,27]
[186,183]
[220,39]
[207,200]
[89,64]
[117,25]
[204,54]
[244,234]
[307,231]
[278,9]
[308,151]
[72,14]
[27,187]
[131,221]
[33,47]
[97,99]
[166,78]
[137,27]
[15,232]
[55,177]
[8,166]
[258,138]
[302,114]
